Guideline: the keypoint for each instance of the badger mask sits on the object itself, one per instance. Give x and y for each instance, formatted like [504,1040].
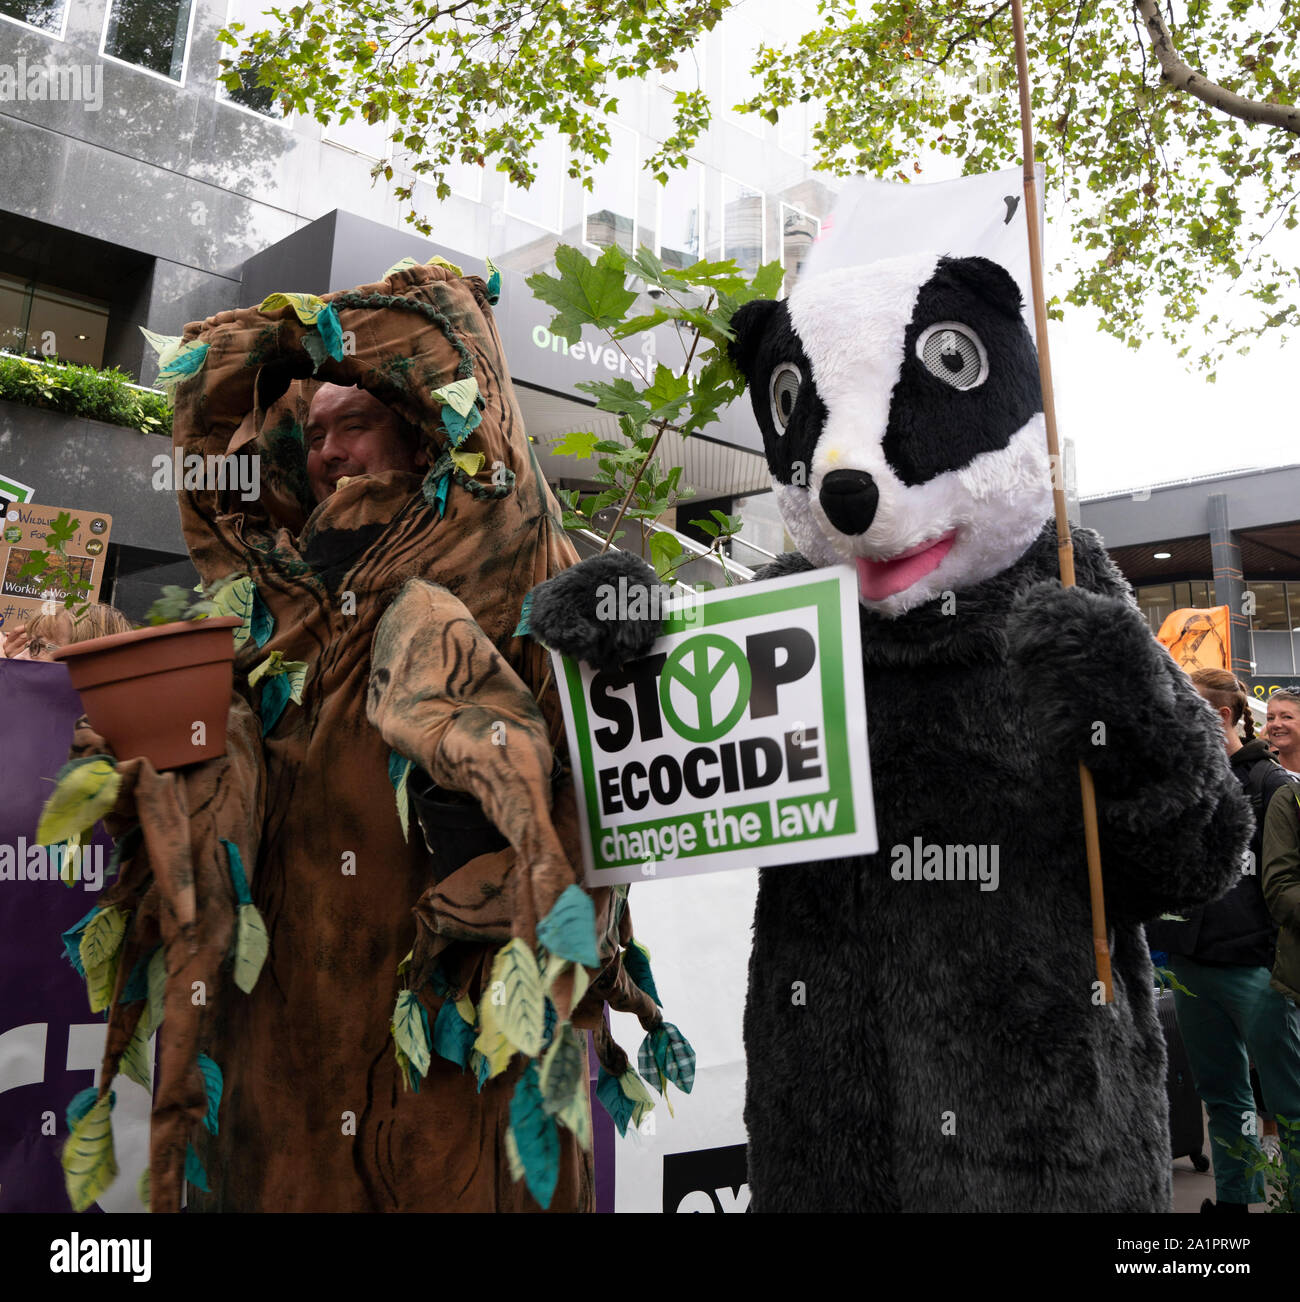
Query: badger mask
[902,420]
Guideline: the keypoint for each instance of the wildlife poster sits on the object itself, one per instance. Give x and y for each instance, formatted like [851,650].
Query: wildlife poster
[26,528]
[738,741]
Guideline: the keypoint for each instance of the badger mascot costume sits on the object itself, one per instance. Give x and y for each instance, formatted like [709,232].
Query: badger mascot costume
[954,1053]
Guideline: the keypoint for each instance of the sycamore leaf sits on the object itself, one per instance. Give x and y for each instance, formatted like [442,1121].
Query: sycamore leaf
[82,796]
[521,1016]
[89,1163]
[570,927]
[564,1070]
[536,1137]
[411,1030]
[251,946]
[577,443]
[664,550]
[586,293]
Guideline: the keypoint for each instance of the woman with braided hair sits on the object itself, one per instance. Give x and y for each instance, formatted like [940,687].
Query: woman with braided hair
[1222,953]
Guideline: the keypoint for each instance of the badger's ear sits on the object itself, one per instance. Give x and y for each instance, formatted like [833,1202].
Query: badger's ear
[993,283]
[749,324]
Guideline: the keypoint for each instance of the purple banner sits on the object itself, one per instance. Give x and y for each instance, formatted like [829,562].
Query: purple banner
[50,1042]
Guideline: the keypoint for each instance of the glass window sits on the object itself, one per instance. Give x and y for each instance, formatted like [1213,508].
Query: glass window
[739,83]
[1156,603]
[799,232]
[44,322]
[542,203]
[1202,594]
[14,303]
[1270,614]
[611,204]
[149,35]
[258,98]
[681,217]
[742,225]
[369,139]
[45,14]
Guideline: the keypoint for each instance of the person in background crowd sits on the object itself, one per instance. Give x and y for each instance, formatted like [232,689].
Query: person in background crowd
[1280,880]
[43,635]
[1222,954]
[1282,729]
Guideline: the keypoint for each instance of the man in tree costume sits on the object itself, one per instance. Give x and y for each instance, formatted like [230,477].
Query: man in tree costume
[408,1043]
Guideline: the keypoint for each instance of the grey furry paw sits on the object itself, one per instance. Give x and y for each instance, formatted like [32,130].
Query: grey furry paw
[584,611]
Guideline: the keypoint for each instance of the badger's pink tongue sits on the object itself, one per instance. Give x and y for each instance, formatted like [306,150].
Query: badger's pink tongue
[880,579]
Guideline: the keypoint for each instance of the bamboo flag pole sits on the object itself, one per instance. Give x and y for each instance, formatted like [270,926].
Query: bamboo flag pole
[1064,546]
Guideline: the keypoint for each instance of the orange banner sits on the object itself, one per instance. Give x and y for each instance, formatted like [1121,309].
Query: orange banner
[1197,639]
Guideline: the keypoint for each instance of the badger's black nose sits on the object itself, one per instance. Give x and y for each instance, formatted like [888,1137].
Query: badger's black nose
[850,498]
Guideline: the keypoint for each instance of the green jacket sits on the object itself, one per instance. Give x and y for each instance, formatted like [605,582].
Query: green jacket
[1281,882]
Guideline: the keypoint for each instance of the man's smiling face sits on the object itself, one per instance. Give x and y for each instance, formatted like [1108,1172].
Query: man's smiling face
[350,432]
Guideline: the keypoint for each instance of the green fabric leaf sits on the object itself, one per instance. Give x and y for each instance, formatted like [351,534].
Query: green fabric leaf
[493,282]
[492,1046]
[194,1172]
[411,1030]
[187,361]
[522,1015]
[136,1062]
[585,293]
[453,1038]
[536,1137]
[665,1054]
[512,1156]
[306,307]
[460,395]
[80,1104]
[576,1116]
[251,947]
[570,928]
[314,346]
[525,614]
[614,1100]
[237,599]
[89,1163]
[636,961]
[212,1083]
[564,1070]
[81,797]
[100,980]
[143,1188]
[331,331]
[165,346]
[410,1080]
[403,797]
[102,937]
[72,941]
[157,989]
[634,1090]
[261,622]
[271,705]
[399,266]
[238,878]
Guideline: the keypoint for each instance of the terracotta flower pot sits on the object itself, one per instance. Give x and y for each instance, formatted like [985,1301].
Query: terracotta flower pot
[146,691]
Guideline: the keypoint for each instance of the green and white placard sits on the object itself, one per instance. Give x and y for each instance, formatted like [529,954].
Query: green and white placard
[739,741]
[12,491]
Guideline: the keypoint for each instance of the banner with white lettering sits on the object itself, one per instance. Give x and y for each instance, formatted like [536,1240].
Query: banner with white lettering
[739,741]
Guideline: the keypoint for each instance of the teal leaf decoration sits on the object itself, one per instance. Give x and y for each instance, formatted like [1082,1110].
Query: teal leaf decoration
[435,486]
[72,941]
[399,773]
[665,1054]
[522,629]
[537,1137]
[238,878]
[569,930]
[137,984]
[261,622]
[398,767]
[275,696]
[81,1103]
[331,331]
[615,1101]
[453,1038]
[493,283]
[636,961]
[212,1082]
[482,1069]
[187,361]
[194,1172]
[564,1070]
[458,426]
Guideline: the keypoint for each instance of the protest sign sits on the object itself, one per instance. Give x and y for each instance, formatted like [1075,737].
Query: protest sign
[25,529]
[739,741]
[12,491]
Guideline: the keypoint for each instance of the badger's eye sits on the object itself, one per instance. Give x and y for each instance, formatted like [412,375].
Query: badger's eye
[953,353]
[784,390]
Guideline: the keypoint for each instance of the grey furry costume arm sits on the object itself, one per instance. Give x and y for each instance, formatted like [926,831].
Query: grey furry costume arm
[1174,822]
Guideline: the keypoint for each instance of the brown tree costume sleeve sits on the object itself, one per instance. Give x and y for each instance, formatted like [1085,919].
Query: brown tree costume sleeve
[314,1112]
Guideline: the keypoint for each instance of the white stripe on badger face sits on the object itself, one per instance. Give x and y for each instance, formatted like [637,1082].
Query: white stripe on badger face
[997,503]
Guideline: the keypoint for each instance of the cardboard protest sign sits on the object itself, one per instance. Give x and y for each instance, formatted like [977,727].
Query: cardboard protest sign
[26,526]
[739,741]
